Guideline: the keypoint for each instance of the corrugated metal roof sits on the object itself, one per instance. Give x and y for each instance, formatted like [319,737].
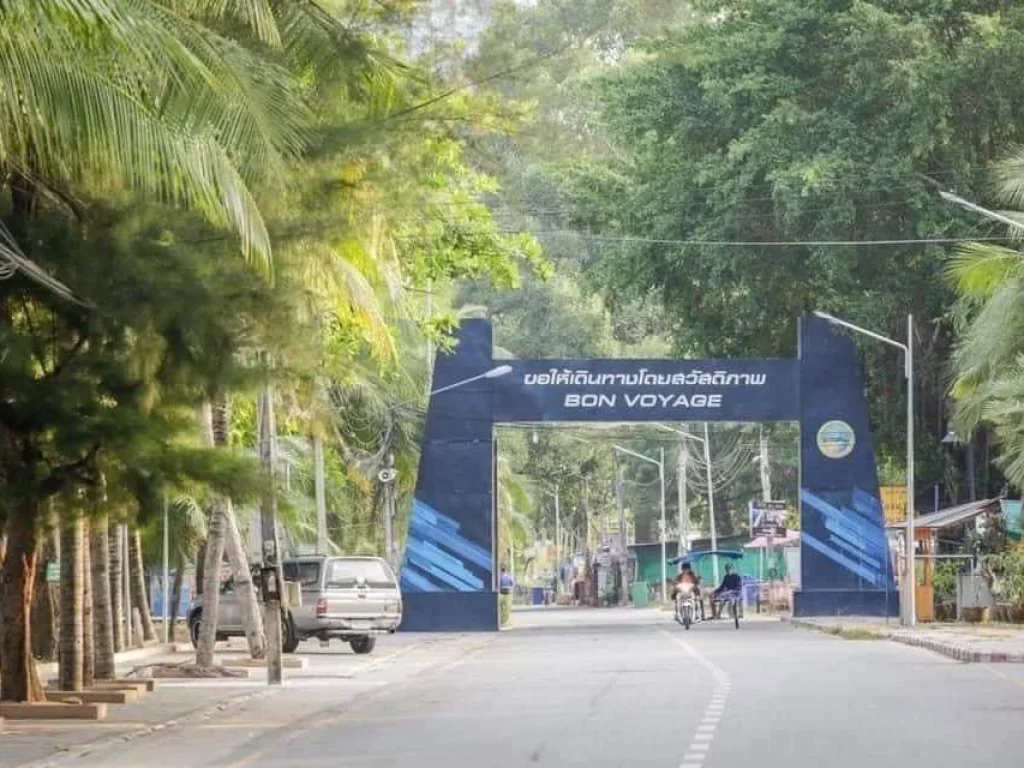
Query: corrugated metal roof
[951,516]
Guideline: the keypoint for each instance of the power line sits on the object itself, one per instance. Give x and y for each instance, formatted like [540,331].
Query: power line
[761,243]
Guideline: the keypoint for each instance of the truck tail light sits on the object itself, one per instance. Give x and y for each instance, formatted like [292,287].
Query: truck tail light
[321,606]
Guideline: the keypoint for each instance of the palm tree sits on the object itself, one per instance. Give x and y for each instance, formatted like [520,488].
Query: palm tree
[988,361]
[138,590]
[72,546]
[103,616]
[88,617]
[115,583]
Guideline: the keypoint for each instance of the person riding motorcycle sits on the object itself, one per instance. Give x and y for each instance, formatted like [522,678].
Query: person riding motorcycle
[731,582]
[687,579]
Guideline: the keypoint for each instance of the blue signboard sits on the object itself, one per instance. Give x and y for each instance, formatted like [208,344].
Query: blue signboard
[647,390]
[448,577]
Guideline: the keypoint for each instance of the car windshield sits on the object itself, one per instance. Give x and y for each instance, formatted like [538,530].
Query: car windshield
[346,573]
[306,573]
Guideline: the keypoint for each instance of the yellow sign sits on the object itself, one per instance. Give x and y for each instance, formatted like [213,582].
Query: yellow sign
[894,502]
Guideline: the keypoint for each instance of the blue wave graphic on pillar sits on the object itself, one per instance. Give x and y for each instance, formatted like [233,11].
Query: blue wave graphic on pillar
[855,536]
[436,555]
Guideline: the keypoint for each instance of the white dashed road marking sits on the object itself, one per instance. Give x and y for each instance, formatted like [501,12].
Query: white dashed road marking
[697,753]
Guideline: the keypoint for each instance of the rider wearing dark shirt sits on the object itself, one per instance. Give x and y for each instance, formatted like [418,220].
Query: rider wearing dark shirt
[731,582]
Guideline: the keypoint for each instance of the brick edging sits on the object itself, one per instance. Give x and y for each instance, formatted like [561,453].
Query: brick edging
[957,652]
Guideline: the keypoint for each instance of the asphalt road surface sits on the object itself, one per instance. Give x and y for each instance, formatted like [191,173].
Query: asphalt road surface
[631,688]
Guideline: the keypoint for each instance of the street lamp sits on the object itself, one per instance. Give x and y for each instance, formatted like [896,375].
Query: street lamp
[660,464]
[711,489]
[910,577]
[494,373]
[558,537]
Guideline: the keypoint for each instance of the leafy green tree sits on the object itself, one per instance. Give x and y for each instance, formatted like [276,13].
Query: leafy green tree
[756,130]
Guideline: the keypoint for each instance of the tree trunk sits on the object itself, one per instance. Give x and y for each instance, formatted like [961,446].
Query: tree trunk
[172,612]
[245,592]
[140,595]
[71,603]
[117,607]
[214,423]
[45,602]
[102,610]
[211,585]
[88,625]
[20,681]
[200,568]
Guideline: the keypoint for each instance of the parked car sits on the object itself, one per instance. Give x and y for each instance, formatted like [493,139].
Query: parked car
[352,599]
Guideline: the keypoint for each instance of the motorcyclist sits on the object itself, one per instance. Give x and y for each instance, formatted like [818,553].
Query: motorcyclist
[687,579]
[732,582]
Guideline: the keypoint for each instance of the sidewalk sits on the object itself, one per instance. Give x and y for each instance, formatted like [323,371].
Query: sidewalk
[987,643]
[223,716]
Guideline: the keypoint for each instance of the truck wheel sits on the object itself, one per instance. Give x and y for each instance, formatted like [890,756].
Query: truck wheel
[289,639]
[362,645]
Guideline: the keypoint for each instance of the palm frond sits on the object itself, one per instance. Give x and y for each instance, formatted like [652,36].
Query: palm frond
[978,269]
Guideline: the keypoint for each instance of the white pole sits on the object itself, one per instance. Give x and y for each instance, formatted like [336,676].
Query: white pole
[711,504]
[664,553]
[430,344]
[558,544]
[911,613]
[166,574]
[320,494]
[684,513]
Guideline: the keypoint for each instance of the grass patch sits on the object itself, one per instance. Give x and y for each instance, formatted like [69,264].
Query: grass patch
[852,633]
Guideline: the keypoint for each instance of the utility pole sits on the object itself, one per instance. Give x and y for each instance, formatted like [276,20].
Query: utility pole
[681,491]
[165,615]
[273,581]
[558,543]
[320,494]
[711,503]
[387,477]
[766,476]
[664,533]
[621,509]
[430,344]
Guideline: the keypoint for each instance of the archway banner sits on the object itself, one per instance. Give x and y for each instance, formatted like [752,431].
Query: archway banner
[449,573]
[647,390]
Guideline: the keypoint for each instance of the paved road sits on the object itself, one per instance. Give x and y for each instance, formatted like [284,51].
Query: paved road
[626,688]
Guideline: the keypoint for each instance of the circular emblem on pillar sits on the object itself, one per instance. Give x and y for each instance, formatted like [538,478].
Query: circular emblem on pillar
[836,439]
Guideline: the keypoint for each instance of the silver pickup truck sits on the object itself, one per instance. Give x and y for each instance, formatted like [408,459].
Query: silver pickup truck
[348,598]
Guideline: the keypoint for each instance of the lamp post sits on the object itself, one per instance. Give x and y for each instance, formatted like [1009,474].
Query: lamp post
[711,488]
[558,538]
[494,373]
[660,464]
[910,577]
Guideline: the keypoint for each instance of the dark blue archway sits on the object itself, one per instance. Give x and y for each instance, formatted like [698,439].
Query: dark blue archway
[448,577]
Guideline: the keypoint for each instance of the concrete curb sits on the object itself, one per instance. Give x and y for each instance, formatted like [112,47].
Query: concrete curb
[50,668]
[954,651]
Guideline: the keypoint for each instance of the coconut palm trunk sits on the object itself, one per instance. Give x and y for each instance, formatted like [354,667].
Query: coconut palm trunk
[102,609]
[88,624]
[176,585]
[140,595]
[245,591]
[114,584]
[214,421]
[211,585]
[71,603]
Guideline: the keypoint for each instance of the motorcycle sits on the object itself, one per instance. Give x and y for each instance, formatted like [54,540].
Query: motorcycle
[686,605]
